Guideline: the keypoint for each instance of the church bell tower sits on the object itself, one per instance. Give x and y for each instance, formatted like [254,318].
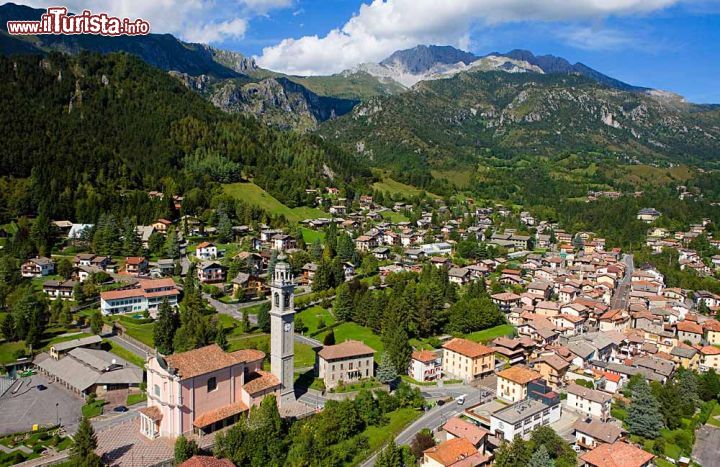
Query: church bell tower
[282,329]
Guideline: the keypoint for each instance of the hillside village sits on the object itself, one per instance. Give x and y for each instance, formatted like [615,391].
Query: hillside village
[504,323]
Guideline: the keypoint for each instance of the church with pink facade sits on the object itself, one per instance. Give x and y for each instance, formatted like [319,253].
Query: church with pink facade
[203,390]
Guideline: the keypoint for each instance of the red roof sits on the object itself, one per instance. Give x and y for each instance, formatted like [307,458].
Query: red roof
[617,454]
[204,245]
[467,348]
[135,260]
[206,461]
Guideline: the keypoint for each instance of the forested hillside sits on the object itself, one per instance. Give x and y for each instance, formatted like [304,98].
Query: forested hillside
[462,121]
[90,134]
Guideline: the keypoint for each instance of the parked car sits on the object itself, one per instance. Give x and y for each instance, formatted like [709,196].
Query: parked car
[41,387]
[120,408]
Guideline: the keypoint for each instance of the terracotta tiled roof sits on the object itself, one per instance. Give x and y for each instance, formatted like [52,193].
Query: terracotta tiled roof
[710,350]
[134,260]
[467,348]
[206,461]
[204,245]
[425,356]
[248,355]
[712,325]
[153,413]
[204,360]
[212,416]
[618,454]
[554,361]
[689,326]
[450,452]
[506,296]
[464,429]
[519,374]
[345,349]
[118,294]
[156,283]
[260,381]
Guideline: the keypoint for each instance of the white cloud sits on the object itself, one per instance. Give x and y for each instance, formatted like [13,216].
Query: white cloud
[383,26]
[593,38]
[190,20]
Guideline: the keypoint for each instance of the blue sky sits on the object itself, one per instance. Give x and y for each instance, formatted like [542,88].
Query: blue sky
[666,44]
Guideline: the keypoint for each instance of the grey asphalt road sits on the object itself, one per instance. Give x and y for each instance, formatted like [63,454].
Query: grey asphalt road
[127,345]
[436,416]
[622,293]
[707,446]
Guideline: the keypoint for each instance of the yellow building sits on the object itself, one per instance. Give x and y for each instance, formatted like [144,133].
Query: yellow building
[467,360]
[512,382]
[712,332]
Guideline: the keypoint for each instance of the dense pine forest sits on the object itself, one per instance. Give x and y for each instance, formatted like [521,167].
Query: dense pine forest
[91,134]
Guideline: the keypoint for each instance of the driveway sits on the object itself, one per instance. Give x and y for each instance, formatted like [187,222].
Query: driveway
[19,411]
[707,446]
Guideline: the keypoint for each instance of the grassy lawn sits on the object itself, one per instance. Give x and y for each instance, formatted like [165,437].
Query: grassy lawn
[369,383]
[304,354]
[61,338]
[133,399]
[489,334]
[8,349]
[310,235]
[379,435]
[124,353]
[93,409]
[348,331]
[142,332]
[311,317]
[256,196]
[713,421]
[393,187]
[393,216]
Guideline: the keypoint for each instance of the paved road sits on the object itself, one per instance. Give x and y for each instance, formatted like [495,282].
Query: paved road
[707,446]
[622,293]
[127,345]
[438,415]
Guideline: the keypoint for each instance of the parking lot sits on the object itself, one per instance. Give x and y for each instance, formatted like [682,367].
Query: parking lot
[19,411]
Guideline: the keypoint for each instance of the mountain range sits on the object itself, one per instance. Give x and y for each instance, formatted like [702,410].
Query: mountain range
[430,106]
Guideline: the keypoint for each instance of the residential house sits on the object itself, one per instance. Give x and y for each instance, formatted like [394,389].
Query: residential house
[467,360]
[709,358]
[206,251]
[346,362]
[425,365]
[552,368]
[689,331]
[136,265]
[617,454]
[146,295]
[512,383]
[59,290]
[37,267]
[589,401]
[282,242]
[457,452]
[506,301]
[459,276]
[589,435]
[209,272]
